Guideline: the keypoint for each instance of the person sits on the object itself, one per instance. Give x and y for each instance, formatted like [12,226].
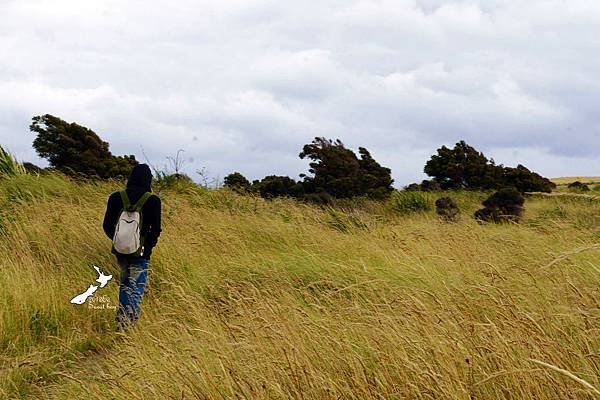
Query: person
[134,269]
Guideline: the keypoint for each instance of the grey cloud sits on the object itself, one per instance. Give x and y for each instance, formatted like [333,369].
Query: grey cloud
[242,85]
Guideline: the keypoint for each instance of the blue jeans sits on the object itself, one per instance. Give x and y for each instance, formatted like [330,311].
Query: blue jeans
[132,282]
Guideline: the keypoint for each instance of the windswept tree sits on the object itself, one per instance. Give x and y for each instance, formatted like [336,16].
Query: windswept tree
[465,167]
[460,167]
[76,150]
[525,180]
[337,171]
[376,181]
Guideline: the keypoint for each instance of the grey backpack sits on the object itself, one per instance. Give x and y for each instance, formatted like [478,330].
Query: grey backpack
[128,240]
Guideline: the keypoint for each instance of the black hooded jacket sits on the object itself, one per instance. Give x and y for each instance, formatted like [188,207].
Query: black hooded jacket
[139,182]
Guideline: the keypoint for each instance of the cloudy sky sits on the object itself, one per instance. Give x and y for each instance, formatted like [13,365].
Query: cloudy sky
[241,85]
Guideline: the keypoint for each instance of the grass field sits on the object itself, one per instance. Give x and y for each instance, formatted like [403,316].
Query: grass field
[252,299]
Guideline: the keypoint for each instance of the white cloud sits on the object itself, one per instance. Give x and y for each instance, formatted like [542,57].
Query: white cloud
[242,85]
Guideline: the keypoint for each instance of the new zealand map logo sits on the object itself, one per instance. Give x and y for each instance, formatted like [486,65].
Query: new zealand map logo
[89,292]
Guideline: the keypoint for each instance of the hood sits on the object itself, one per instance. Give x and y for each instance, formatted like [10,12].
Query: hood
[140,177]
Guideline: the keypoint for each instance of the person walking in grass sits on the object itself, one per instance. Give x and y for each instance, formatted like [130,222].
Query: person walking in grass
[132,222]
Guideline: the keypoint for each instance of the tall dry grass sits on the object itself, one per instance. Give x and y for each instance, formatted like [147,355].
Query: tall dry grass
[277,300]
[9,166]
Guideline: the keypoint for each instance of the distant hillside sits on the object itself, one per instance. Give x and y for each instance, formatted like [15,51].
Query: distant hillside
[568,179]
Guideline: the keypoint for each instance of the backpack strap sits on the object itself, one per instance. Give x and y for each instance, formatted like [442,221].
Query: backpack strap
[140,204]
[125,199]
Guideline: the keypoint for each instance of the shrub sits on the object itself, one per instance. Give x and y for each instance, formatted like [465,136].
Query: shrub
[405,202]
[164,180]
[525,180]
[32,168]
[430,185]
[426,185]
[447,209]
[503,206]
[9,166]
[278,186]
[413,187]
[236,182]
[322,198]
[578,186]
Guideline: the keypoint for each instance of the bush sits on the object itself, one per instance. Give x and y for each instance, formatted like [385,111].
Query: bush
[413,187]
[237,182]
[278,186]
[503,206]
[578,186]
[447,209]
[32,168]
[322,198]
[164,180]
[405,202]
[430,185]
[525,180]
